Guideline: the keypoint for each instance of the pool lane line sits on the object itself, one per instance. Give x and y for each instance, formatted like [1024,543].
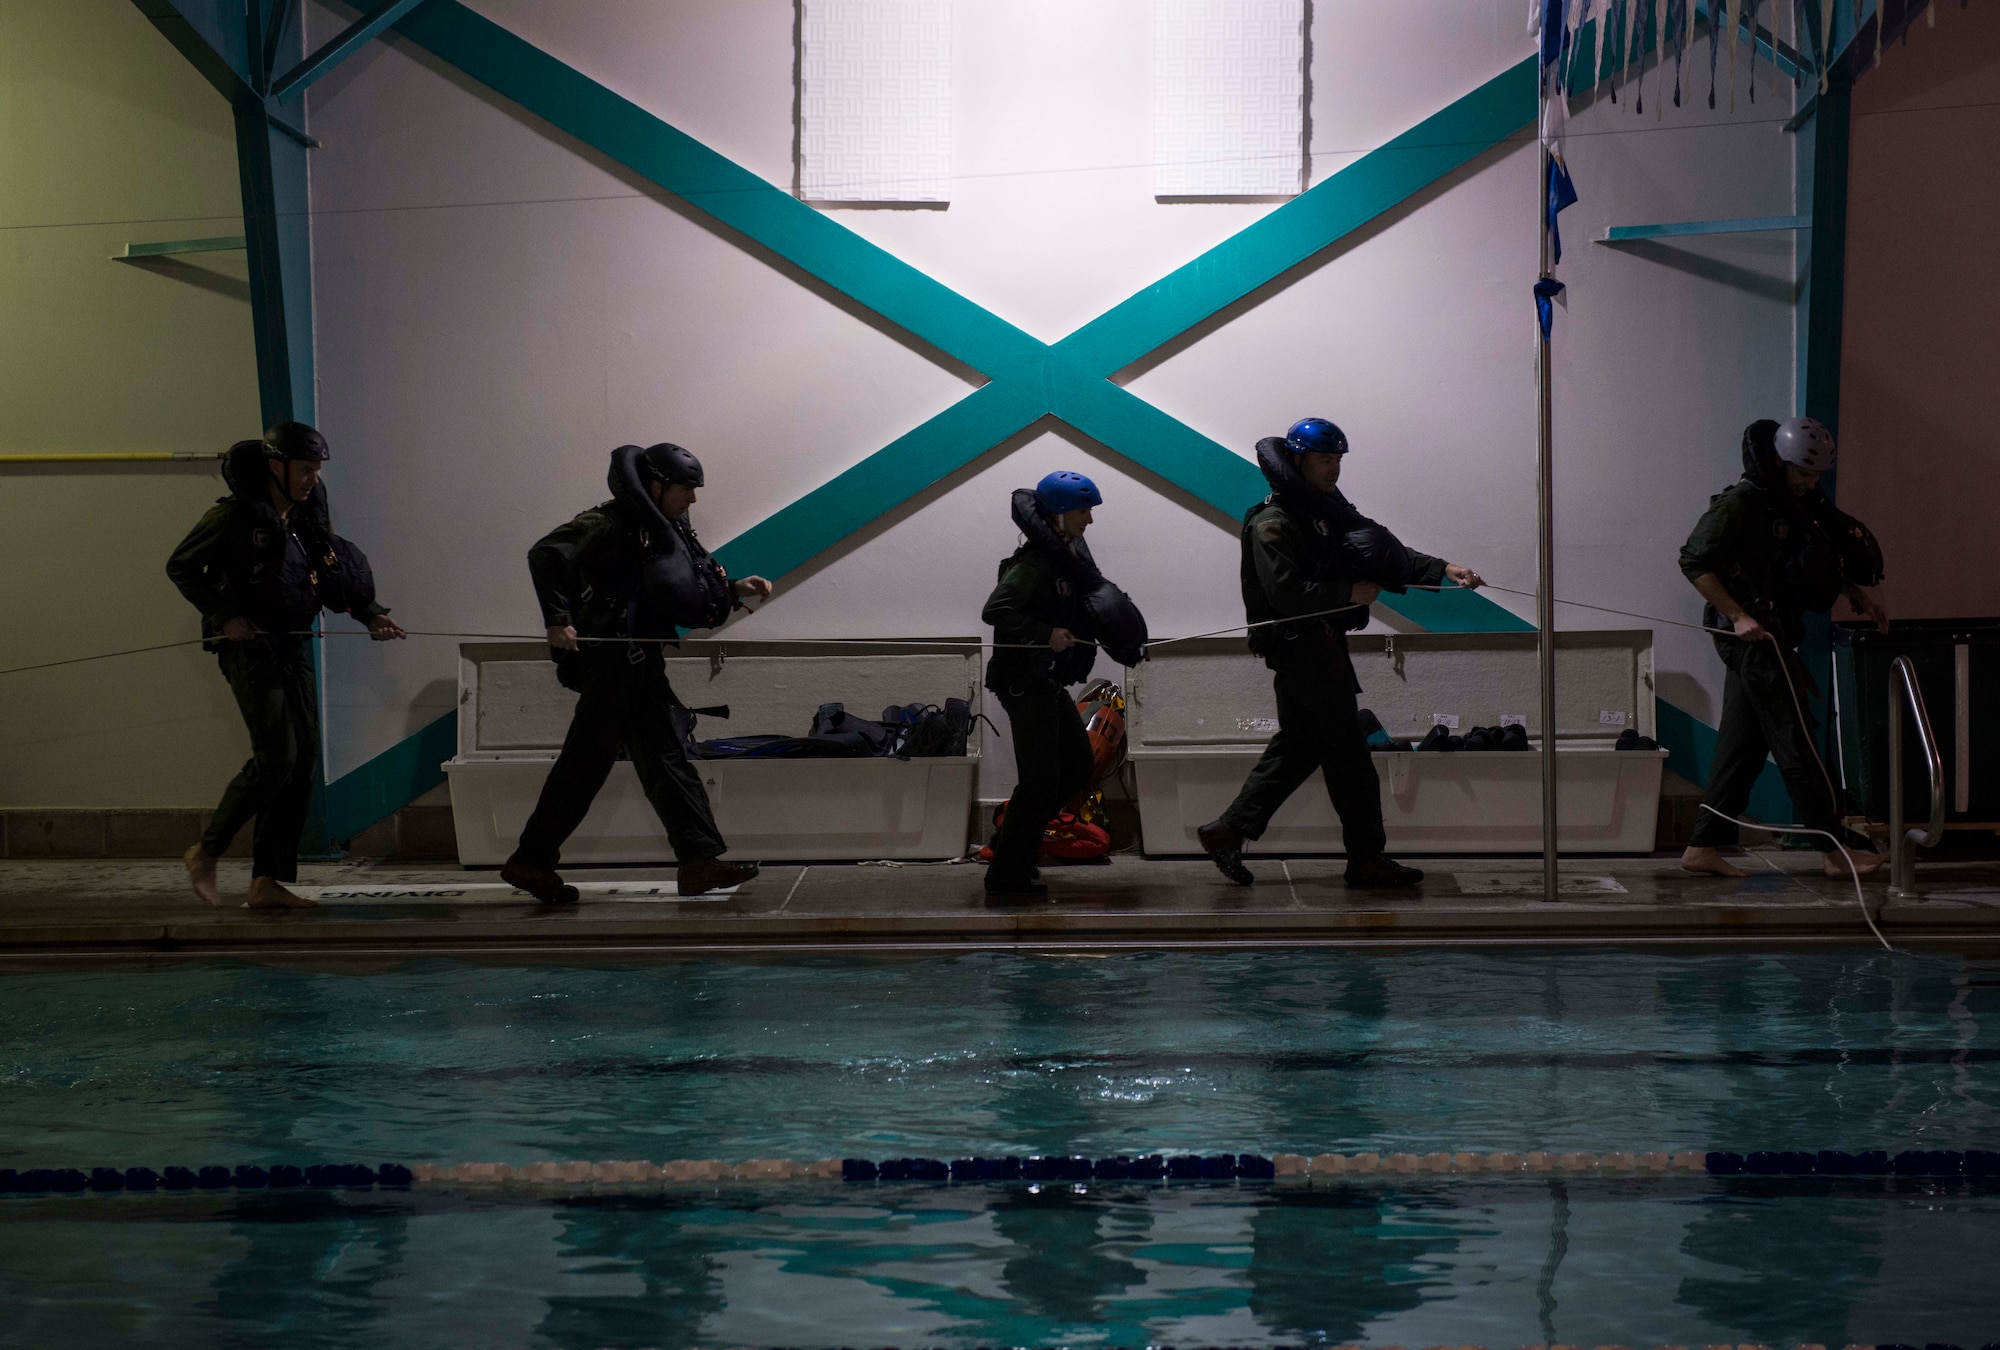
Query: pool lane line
[1281,1168]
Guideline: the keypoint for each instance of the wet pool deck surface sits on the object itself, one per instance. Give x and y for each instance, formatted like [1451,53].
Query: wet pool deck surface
[139,908]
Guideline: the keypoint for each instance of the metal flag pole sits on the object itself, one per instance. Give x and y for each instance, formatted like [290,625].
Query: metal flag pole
[1545,545]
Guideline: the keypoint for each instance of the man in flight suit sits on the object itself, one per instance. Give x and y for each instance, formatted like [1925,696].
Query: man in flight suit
[260,566]
[1307,551]
[1764,552]
[589,577]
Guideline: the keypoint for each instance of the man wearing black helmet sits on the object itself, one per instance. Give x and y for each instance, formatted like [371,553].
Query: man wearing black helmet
[260,565]
[614,584]
[1311,566]
[1767,550]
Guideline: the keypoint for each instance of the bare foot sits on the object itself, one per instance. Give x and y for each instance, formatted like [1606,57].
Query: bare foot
[201,875]
[1865,864]
[268,893]
[1708,862]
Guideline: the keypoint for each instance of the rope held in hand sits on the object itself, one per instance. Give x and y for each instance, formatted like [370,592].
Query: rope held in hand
[861,642]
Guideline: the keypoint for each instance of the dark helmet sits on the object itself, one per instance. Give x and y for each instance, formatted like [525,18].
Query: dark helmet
[1316,435]
[669,463]
[1066,490]
[295,440]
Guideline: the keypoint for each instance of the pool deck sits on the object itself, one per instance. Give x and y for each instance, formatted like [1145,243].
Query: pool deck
[82,909]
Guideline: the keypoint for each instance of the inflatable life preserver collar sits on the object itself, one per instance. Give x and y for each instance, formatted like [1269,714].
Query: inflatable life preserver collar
[1107,615]
[1368,551]
[680,585]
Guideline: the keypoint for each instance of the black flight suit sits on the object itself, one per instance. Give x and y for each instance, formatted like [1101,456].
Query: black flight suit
[241,560]
[1747,537]
[1292,566]
[1052,753]
[586,574]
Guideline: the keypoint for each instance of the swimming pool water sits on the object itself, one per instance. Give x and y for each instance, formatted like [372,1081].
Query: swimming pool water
[1003,1054]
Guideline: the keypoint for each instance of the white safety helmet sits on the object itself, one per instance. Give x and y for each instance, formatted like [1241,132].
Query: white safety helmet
[1806,443]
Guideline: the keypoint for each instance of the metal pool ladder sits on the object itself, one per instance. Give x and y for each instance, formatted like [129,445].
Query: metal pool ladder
[1903,844]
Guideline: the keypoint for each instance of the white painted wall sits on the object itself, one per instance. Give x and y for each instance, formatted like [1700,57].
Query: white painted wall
[496,308]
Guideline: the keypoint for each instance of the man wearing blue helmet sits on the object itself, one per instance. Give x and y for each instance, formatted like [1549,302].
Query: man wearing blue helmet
[1039,616]
[1312,565]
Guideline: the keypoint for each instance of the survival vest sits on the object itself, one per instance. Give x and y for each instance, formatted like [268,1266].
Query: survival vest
[1103,614]
[680,583]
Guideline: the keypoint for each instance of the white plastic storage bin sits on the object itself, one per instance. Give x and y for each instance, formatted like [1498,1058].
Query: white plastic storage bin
[512,715]
[1201,712]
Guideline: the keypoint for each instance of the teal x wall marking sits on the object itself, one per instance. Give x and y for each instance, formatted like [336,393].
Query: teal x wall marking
[1027,379]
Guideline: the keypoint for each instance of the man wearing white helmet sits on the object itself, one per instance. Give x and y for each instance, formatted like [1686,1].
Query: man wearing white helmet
[1766,551]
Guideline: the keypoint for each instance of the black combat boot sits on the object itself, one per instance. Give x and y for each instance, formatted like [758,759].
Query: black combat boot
[540,882]
[1225,850]
[700,875]
[1381,873]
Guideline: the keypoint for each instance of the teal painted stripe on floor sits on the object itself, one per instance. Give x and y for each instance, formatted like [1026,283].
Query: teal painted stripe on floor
[1690,746]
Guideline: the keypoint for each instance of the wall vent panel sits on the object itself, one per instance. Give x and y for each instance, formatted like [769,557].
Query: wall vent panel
[874,101]
[1229,98]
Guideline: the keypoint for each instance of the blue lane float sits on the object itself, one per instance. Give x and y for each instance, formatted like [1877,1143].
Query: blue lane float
[1875,1163]
[245,1177]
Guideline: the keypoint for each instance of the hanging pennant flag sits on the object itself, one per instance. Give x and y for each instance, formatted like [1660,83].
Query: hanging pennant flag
[1799,43]
[1660,8]
[1677,19]
[1639,52]
[1562,196]
[1753,49]
[1555,100]
[1718,14]
[1552,30]
[1735,49]
[1614,41]
[1546,291]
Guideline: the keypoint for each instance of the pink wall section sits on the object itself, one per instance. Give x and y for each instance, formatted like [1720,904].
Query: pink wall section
[1920,366]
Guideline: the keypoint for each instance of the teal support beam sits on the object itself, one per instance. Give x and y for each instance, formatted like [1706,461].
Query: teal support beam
[1823,318]
[231,43]
[223,243]
[211,35]
[278,237]
[1618,234]
[1826,266]
[340,48]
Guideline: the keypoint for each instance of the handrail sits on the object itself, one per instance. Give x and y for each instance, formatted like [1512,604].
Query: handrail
[1902,857]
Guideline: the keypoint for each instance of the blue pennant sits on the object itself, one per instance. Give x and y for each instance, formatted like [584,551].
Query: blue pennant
[1562,195]
[1546,291]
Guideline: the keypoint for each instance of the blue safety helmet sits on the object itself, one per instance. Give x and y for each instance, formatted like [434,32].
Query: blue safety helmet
[1066,491]
[1316,435]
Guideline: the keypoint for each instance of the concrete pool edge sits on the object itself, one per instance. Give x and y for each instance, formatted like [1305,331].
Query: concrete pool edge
[1051,928]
